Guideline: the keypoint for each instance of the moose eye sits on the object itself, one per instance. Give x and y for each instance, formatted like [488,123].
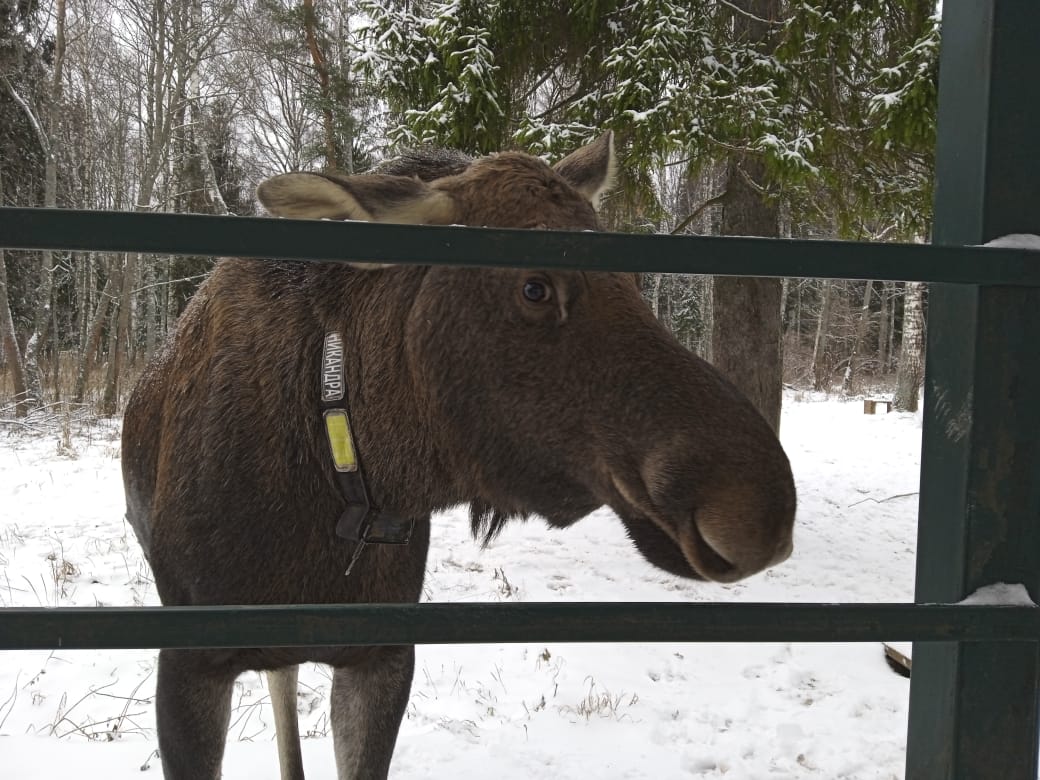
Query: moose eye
[536,291]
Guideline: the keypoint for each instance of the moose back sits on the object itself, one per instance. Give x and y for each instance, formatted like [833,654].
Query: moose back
[301,409]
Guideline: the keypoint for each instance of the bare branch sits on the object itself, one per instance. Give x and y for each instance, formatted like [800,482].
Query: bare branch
[37,127]
[748,14]
[752,183]
[881,500]
[715,201]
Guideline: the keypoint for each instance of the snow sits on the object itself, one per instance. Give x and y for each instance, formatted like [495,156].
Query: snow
[736,711]
[1016,241]
[640,116]
[1001,594]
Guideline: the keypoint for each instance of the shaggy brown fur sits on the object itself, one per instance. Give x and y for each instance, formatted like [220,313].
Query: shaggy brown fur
[516,391]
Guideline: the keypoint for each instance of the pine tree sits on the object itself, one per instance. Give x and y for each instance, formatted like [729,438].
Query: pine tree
[821,111]
[843,128]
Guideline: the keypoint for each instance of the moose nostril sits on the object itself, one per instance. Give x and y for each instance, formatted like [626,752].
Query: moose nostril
[732,530]
[745,541]
[705,558]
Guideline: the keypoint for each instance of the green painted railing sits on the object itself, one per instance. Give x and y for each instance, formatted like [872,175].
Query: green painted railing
[113,628]
[199,234]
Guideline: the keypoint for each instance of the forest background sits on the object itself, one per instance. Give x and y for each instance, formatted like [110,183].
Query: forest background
[777,118]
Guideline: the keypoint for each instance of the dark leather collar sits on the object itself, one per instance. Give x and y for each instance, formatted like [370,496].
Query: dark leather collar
[360,521]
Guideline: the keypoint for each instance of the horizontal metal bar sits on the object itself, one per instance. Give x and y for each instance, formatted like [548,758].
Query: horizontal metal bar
[399,624]
[264,237]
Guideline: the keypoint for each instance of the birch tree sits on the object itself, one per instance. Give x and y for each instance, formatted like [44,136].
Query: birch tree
[911,356]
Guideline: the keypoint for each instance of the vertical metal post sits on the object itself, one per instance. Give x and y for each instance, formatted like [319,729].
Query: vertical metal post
[974,707]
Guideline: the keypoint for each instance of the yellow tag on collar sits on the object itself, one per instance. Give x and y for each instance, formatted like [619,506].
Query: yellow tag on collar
[337,428]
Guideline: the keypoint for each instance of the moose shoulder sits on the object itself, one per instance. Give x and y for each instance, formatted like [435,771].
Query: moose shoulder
[516,391]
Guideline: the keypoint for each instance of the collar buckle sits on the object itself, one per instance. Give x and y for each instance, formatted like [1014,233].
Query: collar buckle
[365,523]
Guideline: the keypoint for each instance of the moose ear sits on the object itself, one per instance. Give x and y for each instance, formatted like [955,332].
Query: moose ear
[369,198]
[591,169]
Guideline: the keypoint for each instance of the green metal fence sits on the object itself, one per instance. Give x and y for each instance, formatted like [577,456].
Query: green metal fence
[975,691]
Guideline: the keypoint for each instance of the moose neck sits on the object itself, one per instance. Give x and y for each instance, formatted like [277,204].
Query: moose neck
[403,466]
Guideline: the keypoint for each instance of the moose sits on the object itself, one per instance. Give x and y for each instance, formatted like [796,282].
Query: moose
[306,419]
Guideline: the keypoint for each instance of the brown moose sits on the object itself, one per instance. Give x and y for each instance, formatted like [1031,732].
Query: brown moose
[516,391]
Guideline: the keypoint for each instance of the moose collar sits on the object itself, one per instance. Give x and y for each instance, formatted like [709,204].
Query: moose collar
[360,522]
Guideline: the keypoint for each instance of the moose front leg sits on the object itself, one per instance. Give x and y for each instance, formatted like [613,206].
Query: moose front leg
[283,684]
[193,708]
[368,703]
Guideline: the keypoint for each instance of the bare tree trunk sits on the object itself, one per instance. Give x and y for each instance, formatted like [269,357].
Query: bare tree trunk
[666,308]
[892,324]
[746,345]
[347,95]
[33,345]
[8,341]
[92,341]
[56,362]
[661,302]
[706,285]
[84,270]
[45,126]
[819,352]
[796,320]
[849,383]
[886,301]
[911,355]
[167,28]
[110,402]
[213,196]
[9,344]
[746,328]
[655,300]
[151,312]
[321,67]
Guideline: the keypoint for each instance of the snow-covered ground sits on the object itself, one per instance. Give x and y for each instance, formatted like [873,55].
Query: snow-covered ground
[515,712]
